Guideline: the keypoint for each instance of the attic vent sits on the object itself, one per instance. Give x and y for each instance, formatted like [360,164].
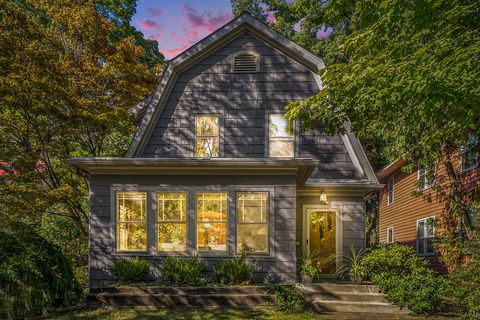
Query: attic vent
[245,62]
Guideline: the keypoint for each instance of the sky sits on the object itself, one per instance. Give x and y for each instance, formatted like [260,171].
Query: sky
[177,25]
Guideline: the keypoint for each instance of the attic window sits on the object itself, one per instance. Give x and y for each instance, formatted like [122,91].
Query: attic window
[245,62]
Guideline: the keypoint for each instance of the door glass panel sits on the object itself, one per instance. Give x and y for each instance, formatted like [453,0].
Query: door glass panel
[322,240]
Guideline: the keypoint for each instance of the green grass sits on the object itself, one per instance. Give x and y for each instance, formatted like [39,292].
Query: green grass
[186,313]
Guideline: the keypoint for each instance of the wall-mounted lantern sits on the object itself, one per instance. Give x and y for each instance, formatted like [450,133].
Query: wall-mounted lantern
[323,198]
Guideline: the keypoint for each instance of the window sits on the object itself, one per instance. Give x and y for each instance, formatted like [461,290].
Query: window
[252,221]
[212,222]
[245,62]
[426,179]
[172,221]
[207,136]
[390,195]
[281,134]
[390,238]
[425,236]
[131,221]
[468,155]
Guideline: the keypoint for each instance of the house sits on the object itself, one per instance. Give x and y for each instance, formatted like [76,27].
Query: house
[214,168]
[409,205]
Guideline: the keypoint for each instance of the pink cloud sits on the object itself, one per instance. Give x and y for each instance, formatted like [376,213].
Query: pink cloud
[205,20]
[173,52]
[154,12]
[149,24]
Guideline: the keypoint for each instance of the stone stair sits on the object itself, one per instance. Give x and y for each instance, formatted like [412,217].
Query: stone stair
[345,297]
[180,296]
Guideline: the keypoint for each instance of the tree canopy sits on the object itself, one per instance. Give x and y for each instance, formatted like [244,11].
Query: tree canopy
[67,79]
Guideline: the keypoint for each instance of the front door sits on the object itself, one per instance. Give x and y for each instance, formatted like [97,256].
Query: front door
[321,236]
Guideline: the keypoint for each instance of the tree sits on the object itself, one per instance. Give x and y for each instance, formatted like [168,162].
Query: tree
[120,13]
[65,89]
[254,7]
[411,75]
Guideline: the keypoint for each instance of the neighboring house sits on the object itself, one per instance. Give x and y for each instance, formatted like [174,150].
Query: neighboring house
[409,205]
[214,168]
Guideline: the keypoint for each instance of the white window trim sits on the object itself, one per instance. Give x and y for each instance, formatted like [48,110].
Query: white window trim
[196,136]
[267,222]
[426,185]
[158,222]
[424,254]
[270,139]
[464,150]
[393,235]
[118,222]
[393,191]
[226,222]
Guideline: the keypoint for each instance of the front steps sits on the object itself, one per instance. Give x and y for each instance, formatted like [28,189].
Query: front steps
[180,296]
[345,297]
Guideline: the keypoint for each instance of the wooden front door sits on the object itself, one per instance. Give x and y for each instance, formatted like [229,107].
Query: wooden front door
[321,239]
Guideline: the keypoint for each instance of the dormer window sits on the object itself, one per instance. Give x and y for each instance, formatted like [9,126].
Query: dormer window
[246,62]
[207,140]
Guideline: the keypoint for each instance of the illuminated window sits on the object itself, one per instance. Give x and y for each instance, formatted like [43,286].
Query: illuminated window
[172,221]
[212,222]
[281,135]
[131,221]
[207,136]
[252,222]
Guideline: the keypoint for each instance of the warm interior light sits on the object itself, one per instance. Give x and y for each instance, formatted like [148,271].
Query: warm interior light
[323,198]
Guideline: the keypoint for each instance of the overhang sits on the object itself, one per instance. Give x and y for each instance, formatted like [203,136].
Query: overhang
[300,168]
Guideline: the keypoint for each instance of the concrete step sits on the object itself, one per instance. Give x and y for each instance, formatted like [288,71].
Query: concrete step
[181,290]
[346,296]
[340,288]
[171,300]
[356,307]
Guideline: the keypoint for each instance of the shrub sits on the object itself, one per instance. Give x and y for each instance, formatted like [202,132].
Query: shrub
[34,273]
[130,270]
[463,289]
[405,278]
[188,271]
[289,298]
[234,271]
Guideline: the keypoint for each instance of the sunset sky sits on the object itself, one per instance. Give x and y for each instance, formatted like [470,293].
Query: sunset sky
[176,25]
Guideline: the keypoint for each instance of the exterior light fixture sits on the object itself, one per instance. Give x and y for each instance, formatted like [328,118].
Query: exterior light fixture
[323,198]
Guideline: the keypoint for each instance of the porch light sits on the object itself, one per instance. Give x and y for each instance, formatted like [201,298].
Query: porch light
[323,198]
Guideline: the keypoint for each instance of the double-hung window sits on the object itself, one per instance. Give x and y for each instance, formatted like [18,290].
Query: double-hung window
[212,222]
[468,155]
[425,179]
[425,236]
[390,238]
[131,221]
[252,222]
[172,221]
[207,136]
[390,190]
[281,136]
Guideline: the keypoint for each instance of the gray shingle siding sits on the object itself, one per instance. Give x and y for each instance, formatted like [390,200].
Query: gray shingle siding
[243,101]
[280,264]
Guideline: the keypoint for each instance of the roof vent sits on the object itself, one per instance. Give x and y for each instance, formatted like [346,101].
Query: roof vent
[245,62]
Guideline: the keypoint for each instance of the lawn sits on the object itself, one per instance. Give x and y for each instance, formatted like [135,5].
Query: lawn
[186,313]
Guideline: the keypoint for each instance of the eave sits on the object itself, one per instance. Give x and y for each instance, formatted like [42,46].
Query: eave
[300,168]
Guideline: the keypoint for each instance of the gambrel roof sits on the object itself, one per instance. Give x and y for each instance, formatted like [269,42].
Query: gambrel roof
[152,106]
